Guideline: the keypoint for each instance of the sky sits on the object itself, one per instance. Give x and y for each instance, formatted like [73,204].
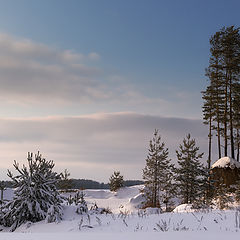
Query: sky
[86,82]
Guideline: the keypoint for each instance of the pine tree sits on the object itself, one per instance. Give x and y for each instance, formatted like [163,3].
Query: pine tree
[36,197]
[221,195]
[2,188]
[216,76]
[224,75]
[206,189]
[65,183]
[81,203]
[158,174]
[231,67]
[116,181]
[208,112]
[189,174]
[213,96]
[236,118]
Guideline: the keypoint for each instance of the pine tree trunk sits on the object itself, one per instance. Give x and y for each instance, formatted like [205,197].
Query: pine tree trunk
[210,143]
[238,145]
[155,187]
[238,151]
[225,117]
[2,195]
[218,126]
[231,119]
[219,140]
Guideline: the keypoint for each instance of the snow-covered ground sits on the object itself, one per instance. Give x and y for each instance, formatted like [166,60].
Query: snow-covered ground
[225,162]
[127,222]
[122,236]
[125,199]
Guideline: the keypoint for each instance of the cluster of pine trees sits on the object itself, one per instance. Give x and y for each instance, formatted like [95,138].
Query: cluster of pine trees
[164,181]
[190,181]
[221,109]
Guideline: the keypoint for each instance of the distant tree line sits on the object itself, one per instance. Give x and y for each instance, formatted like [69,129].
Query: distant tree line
[84,184]
[91,184]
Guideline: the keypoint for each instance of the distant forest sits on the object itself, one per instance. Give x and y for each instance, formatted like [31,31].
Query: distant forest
[86,184]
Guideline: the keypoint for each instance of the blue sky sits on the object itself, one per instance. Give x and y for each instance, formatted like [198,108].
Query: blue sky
[87,58]
[150,44]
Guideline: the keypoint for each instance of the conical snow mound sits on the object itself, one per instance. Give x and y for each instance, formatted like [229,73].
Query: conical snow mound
[225,162]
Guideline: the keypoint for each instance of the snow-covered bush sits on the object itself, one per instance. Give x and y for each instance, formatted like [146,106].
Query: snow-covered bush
[96,210]
[54,214]
[81,204]
[36,196]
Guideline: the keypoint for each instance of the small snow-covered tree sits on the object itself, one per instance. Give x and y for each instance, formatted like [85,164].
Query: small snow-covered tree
[36,197]
[116,181]
[2,188]
[81,203]
[158,174]
[190,173]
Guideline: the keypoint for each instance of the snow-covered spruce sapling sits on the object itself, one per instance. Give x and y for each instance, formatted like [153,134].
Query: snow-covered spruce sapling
[70,200]
[36,196]
[2,188]
[82,207]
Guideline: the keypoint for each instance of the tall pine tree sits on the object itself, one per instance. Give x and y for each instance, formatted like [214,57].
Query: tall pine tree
[158,174]
[224,75]
[208,112]
[213,108]
[231,67]
[190,172]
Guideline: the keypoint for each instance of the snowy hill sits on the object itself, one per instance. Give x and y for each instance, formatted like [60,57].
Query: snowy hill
[225,162]
[122,200]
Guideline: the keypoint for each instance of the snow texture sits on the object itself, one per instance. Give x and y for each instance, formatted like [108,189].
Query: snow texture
[183,208]
[129,223]
[121,236]
[225,162]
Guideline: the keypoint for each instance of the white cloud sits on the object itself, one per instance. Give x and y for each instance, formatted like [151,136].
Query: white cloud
[93,56]
[93,146]
[44,77]
[37,72]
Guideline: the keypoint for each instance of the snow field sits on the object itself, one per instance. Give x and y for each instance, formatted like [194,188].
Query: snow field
[127,222]
[215,221]
[122,236]
[126,199]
